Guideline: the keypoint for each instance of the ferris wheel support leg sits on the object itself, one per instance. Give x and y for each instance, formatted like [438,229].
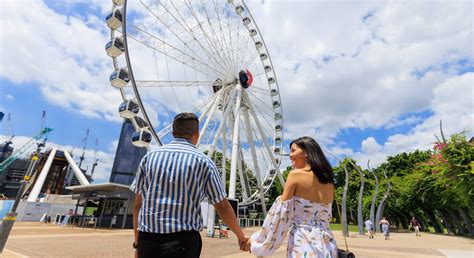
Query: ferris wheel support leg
[209,108]
[243,179]
[42,177]
[254,159]
[221,129]
[224,156]
[211,217]
[266,144]
[245,184]
[235,144]
[209,118]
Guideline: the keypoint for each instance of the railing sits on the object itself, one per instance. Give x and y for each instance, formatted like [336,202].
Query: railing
[245,223]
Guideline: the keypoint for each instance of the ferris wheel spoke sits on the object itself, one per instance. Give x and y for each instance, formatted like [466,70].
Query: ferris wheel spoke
[243,176]
[168,128]
[186,28]
[225,115]
[259,91]
[223,37]
[214,34]
[209,118]
[266,144]
[151,83]
[253,153]
[224,150]
[173,52]
[232,52]
[238,42]
[261,102]
[207,37]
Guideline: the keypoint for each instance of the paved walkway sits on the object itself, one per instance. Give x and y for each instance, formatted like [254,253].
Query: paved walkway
[31,239]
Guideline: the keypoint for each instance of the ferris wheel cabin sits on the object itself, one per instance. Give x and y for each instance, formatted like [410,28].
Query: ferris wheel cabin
[141,138]
[140,122]
[217,85]
[114,19]
[253,32]
[118,2]
[115,47]
[128,109]
[119,78]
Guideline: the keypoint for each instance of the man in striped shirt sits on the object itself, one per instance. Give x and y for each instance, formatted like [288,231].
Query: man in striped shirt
[170,184]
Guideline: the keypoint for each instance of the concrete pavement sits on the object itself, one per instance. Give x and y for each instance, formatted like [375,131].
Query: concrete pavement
[32,239]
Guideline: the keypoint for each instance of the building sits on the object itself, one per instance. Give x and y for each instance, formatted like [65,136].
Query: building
[115,200]
[127,157]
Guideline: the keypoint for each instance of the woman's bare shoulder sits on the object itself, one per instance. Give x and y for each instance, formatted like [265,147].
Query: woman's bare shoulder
[298,171]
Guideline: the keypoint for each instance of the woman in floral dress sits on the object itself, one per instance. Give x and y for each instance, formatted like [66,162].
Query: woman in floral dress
[304,208]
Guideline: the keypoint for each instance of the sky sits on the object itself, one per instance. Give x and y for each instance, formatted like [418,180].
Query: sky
[376,76]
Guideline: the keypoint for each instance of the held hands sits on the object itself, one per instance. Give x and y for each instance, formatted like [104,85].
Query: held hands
[244,243]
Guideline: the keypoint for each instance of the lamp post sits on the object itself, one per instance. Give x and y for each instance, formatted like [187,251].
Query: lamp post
[10,217]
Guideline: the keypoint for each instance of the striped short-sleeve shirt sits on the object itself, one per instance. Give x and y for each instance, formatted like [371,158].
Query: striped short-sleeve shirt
[173,180]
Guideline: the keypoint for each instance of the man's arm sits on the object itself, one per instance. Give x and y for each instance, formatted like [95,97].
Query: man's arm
[136,209]
[226,213]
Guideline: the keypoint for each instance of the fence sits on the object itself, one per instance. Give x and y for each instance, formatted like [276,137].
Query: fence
[245,223]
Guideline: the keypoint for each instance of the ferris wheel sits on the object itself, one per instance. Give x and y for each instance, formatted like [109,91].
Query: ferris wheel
[206,57]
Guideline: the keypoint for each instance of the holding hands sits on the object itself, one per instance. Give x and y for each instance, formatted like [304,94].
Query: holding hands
[244,243]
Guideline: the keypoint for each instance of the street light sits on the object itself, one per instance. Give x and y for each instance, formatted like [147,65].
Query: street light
[10,217]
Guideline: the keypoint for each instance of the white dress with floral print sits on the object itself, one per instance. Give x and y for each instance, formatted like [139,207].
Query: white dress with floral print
[308,223]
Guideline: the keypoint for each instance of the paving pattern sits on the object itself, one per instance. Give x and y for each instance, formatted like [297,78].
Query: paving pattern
[31,239]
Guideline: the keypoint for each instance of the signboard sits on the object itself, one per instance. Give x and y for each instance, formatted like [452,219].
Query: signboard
[34,211]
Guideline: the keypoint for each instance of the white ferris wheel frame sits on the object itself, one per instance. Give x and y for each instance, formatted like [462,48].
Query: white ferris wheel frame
[229,119]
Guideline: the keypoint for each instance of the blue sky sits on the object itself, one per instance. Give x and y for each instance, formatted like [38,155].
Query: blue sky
[387,98]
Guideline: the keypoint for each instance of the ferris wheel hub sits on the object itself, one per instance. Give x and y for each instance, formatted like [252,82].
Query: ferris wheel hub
[245,78]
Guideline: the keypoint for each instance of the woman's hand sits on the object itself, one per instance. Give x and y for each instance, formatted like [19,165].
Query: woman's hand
[246,246]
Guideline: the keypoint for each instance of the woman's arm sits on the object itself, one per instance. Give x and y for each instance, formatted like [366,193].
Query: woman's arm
[290,186]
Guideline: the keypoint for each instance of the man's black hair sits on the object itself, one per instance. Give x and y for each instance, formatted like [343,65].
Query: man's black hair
[185,125]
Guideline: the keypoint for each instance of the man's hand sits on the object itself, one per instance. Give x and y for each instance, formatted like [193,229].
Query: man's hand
[244,243]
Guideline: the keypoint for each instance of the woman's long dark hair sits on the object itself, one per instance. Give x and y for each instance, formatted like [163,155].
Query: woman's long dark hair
[316,159]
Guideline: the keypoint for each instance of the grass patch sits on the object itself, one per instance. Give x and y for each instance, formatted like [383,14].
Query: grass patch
[338,227]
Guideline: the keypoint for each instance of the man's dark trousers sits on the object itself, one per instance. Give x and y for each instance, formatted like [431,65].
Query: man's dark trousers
[173,245]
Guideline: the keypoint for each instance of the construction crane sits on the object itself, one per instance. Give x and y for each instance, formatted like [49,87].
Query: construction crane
[8,132]
[81,158]
[25,149]
[43,119]
[95,159]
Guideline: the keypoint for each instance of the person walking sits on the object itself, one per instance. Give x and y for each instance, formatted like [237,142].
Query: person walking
[169,186]
[369,226]
[303,209]
[385,228]
[416,225]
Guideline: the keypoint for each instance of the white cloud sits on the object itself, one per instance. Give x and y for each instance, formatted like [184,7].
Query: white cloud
[336,69]
[452,103]
[64,55]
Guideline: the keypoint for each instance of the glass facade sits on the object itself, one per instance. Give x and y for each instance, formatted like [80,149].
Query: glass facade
[127,157]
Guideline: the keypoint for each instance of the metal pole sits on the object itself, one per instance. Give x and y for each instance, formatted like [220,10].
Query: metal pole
[265,141]
[255,161]
[235,145]
[10,217]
